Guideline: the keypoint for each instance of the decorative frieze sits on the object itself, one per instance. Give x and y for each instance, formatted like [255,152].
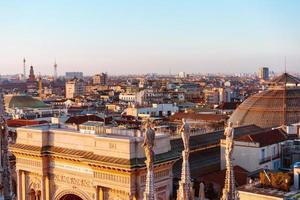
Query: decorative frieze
[74,168]
[32,163]
[157,175]
[112,177]
[72,180]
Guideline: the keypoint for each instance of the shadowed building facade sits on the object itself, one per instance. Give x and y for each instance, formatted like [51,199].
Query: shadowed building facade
[55,163]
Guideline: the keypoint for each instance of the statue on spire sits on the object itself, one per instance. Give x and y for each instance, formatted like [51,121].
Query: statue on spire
[229,190]
[185,134]
[148,144]
[185,191]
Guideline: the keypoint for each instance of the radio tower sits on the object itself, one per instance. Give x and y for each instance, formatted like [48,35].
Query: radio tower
[24,68]
[6,178]
[55,70]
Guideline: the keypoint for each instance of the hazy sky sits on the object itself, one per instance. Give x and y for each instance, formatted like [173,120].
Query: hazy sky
[139,36]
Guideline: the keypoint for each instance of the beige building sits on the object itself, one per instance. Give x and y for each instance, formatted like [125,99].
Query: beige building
[156,110]
[257,151]
[54,163]
[74,87]
[212,96]
[128,97]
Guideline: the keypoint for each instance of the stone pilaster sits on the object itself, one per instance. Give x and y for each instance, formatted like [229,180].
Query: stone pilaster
[23,185]
[45,188]
[19,184]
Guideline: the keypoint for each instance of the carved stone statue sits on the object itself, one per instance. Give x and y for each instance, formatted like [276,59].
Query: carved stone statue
[229,190]
[149,137]
[229,134]
[185,190]
[185,134]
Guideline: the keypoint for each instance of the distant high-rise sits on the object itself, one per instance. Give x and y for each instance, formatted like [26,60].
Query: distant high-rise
[181,75]
[74,87]
[100,79]
[71,75]
[263,73]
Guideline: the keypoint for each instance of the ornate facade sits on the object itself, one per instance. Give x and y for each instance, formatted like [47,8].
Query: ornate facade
[59,164]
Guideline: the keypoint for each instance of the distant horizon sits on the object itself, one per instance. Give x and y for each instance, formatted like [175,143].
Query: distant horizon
[160,74]
[132,37]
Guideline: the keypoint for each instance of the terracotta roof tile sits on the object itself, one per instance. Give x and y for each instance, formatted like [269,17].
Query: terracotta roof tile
[196,116]
[23,122]
[265,138]
[218,177]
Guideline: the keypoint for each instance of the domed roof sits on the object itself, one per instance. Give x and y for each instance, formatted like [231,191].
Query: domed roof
[279,105]
[23,101]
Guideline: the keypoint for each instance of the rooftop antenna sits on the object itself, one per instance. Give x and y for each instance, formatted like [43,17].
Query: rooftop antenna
[55,70]
[284,93]
[285,64]
[24,68]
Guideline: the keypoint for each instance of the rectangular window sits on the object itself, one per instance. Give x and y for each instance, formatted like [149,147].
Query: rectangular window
[276,165]
[273,151]
[263,154]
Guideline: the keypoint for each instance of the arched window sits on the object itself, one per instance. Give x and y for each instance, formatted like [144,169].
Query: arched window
[38,195]
[32,194]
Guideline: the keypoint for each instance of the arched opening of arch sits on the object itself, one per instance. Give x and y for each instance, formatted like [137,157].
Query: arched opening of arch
[70,197]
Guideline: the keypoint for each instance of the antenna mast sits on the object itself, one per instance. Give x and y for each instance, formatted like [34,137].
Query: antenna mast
[55,70]
[284,93]
[285,64]
[24,68]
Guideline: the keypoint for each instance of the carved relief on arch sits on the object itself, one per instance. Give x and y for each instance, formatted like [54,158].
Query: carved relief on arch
[34,183]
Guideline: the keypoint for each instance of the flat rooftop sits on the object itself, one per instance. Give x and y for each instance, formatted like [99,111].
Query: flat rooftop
[258,190]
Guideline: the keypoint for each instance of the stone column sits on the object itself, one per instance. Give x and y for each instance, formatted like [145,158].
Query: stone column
[96,193]
[101,193]
[45,188]
[19,186]
[23,185]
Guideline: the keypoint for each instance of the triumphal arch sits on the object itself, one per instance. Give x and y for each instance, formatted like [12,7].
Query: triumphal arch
[59,163]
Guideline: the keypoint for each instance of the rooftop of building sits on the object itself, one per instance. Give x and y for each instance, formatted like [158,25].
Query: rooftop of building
[23,122]
[218,177]
[195,116]
[80,119]
[256,188]
[286,78]
[113,149]
[23,101]
[276,106]
[265,137]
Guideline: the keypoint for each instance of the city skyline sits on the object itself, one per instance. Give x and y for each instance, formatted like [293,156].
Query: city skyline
[144,37]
